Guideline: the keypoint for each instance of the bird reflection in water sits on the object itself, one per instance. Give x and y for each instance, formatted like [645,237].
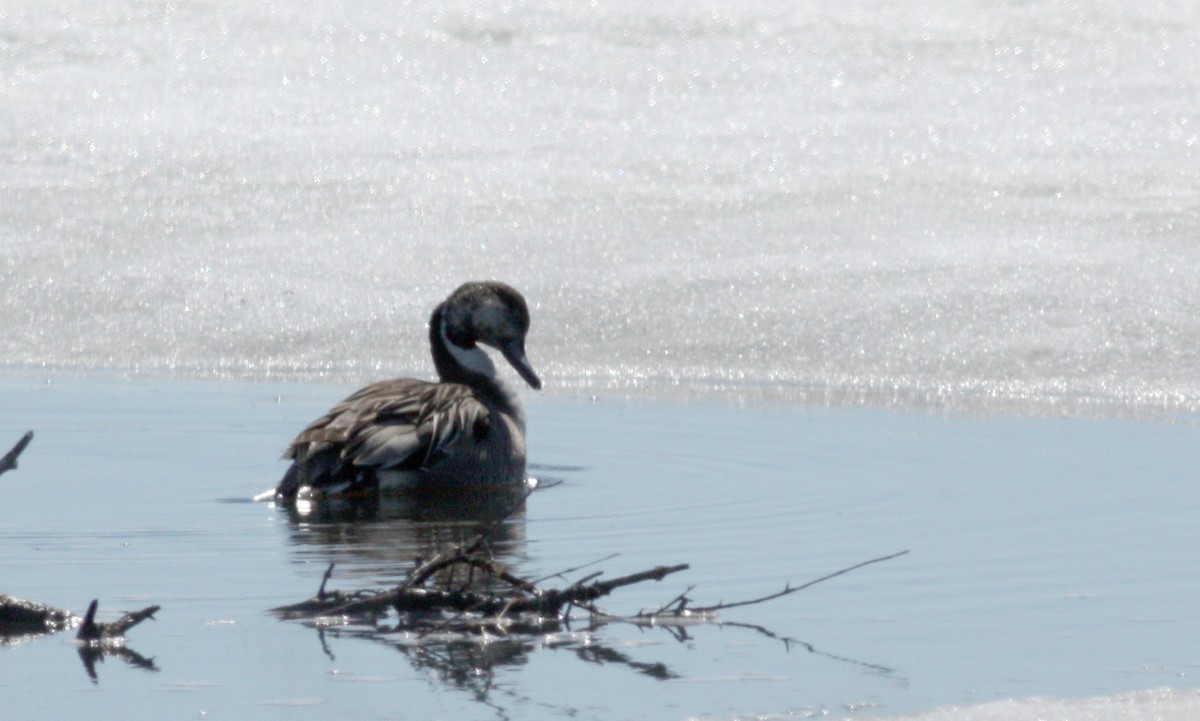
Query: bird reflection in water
[378,538]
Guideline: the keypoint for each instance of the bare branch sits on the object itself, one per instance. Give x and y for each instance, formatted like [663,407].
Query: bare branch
[9,461]
[325,580]
[562,574]
[459,554]
[585,579]
[91,630]
[789,589]
[407,597]
[680,602]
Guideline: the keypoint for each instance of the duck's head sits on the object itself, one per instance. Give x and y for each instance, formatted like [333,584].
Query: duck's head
[494,314]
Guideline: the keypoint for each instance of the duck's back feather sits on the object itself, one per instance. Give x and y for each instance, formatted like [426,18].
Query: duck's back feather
[393,425]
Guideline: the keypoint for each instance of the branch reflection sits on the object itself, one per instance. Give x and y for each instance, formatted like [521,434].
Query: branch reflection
[382,541]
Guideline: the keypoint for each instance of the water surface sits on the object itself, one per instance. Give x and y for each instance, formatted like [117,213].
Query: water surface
[1047,556]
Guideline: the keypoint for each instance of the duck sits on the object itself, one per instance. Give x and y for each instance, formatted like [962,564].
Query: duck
[465,430]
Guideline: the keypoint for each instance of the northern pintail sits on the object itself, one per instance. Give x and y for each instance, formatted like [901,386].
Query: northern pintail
[466,430]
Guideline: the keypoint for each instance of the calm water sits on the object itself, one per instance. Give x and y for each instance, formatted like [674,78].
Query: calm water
[1047,557]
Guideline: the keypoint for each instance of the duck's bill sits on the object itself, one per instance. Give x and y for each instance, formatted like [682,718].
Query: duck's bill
[514,352]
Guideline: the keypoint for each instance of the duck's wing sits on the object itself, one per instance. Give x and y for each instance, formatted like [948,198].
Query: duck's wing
[397,424]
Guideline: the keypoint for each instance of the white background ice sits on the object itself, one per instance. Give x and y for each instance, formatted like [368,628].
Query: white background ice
[966,202]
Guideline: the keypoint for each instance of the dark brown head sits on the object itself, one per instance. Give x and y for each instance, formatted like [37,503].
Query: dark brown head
[494,314]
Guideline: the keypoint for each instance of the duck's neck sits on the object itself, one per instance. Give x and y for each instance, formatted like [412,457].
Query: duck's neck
[457,362]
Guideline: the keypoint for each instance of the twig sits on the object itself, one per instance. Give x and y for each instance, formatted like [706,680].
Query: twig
[788,589]
[680,602]
[603,588]
[562,574]
[443,559]
[90,630]
[409,598]
[585,579]
[127,621]
[9,461]
[458,554]
[498,571]
[485,531]
[324,580]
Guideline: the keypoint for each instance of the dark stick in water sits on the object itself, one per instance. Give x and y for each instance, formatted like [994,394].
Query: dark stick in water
[92,630]
[9,461]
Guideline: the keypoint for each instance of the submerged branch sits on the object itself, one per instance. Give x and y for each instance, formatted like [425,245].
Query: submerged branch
[91,630]
[464,589]
[18,616]
[8,461]
[526,599]
[95,639]
[325,580]
[518,598]
[563,573]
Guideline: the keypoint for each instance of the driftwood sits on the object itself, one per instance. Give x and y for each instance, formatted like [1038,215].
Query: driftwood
[679,608]
[20,619]
[96,639]
[520,598]
[462,616]
[8,461]
[463,589]
[515,598]
[91,630]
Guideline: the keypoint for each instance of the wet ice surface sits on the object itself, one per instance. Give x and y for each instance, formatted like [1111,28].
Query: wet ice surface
[1047,557]
[967,204]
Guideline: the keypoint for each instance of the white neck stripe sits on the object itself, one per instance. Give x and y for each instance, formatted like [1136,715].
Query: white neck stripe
[474,360]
